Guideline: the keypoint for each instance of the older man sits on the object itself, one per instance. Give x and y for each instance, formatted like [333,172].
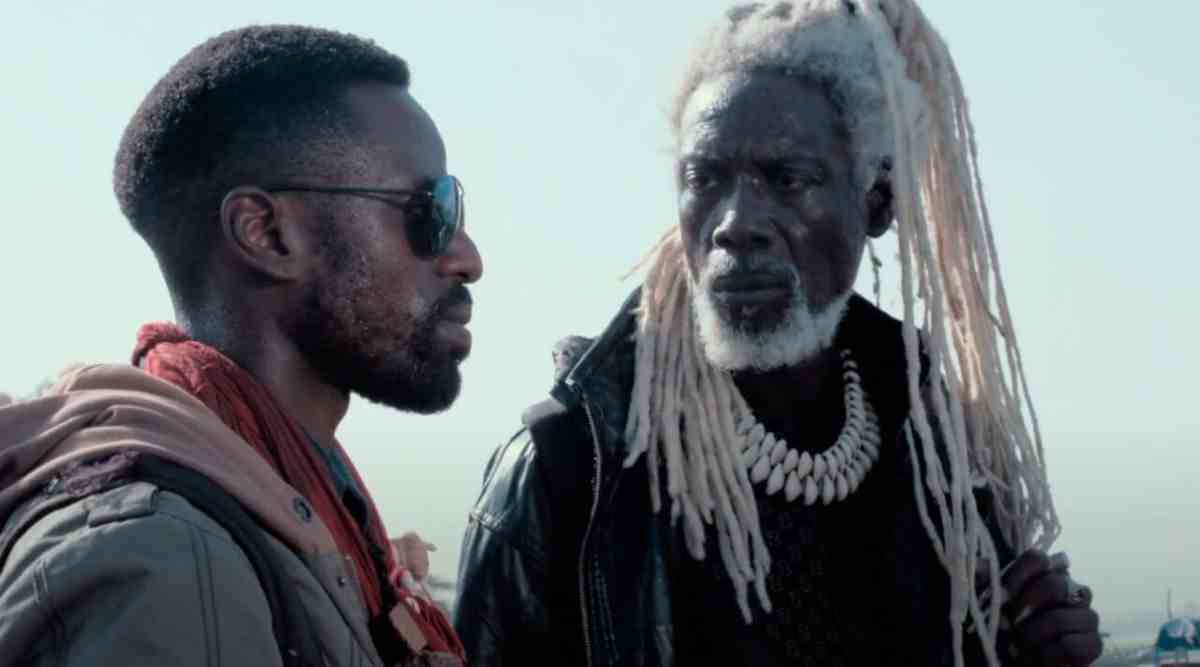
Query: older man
[754,466]
[195,507]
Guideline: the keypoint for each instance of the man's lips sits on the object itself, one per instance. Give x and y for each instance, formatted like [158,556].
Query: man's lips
[750,288]
[460,314]
[452,326]
[736,282]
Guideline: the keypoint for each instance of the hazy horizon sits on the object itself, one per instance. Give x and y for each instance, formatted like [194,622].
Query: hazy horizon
[553,114]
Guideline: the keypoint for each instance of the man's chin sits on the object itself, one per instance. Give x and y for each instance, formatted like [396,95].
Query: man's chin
[763,339]
[425,394]
[750,320]
[741,319]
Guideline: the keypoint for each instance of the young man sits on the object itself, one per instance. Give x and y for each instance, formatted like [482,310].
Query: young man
[297,200]
[754,466]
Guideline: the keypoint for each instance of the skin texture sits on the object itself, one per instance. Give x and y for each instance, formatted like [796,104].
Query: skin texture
[765,176]
[320,296]
[413,553]
[1049,630]
[772,186]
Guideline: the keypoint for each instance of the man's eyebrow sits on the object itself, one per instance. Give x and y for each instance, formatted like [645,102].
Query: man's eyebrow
[772,158]
[795,160]
[703,154]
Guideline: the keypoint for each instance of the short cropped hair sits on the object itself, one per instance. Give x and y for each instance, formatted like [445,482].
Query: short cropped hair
[248,106]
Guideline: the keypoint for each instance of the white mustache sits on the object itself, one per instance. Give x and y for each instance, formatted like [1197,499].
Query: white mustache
[722,264]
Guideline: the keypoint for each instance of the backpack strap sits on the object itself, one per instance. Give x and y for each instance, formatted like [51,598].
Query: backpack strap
[293,631]
[292,626]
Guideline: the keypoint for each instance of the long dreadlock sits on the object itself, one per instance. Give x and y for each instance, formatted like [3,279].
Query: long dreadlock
[891,76]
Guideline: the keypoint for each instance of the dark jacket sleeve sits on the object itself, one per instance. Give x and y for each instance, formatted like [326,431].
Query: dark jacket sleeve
[501,612]
[518,595]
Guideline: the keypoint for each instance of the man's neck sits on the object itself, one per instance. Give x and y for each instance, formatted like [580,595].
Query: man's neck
[274,361]
[773,395]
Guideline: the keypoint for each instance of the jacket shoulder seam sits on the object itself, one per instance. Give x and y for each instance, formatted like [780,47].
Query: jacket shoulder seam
[205,594]
[511,538]
[86,532]
[216,532]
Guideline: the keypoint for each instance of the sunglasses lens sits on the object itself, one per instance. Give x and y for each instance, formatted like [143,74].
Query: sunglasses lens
[446,213]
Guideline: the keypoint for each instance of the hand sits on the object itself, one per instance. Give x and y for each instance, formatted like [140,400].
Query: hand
[1051,615]
[412,553]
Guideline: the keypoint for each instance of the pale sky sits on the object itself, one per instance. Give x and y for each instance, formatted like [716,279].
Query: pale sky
[553,114]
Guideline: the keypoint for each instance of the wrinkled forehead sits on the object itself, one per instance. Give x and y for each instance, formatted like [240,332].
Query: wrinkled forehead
[760,115]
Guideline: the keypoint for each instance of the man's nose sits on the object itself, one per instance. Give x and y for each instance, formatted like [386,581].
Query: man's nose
[745,222]
[461,259]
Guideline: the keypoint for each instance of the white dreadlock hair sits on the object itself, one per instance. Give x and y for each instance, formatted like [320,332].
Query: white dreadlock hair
[891,77]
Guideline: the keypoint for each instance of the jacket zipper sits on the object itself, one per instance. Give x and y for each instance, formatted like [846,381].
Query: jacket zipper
[587,639]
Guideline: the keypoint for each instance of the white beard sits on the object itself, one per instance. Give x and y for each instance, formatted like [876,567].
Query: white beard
[802,334]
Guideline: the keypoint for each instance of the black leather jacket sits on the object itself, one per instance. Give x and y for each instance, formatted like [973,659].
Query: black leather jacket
[564,562]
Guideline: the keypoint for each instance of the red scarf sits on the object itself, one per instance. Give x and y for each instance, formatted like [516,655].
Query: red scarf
[247,408]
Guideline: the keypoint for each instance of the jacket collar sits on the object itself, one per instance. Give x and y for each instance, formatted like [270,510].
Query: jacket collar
[600,372]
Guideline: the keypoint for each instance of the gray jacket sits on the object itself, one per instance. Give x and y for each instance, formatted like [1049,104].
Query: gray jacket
[124,573]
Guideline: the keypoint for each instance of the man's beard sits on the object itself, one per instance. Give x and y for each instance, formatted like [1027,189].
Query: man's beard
[762,341]
[359,342]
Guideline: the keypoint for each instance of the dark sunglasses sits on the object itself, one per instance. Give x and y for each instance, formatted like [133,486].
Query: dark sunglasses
[434,215]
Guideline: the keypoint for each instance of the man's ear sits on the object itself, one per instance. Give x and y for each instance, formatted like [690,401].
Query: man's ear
[880,209]
[259,234]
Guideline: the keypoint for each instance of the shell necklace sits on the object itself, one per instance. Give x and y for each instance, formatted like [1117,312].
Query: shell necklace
[830,475]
